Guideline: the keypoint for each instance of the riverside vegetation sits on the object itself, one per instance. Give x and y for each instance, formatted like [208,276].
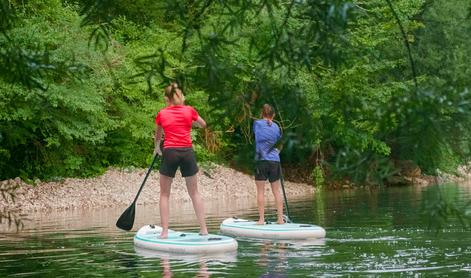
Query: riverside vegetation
[366,91]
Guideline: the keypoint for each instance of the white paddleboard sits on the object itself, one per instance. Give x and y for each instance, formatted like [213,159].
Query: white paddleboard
[147,237]
[246,228]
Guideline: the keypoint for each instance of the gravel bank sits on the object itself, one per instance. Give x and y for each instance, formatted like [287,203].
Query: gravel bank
[118,187]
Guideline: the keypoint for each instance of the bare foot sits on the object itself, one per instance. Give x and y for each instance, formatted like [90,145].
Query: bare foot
[280,221]
[260,222]
[163,235]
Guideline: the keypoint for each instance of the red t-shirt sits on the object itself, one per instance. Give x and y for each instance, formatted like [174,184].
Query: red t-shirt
[176,121]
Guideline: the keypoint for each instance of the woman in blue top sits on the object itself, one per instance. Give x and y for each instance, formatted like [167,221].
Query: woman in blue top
[267,133]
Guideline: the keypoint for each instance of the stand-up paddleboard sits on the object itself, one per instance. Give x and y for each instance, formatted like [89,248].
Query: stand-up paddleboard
[182,242]
[245,228]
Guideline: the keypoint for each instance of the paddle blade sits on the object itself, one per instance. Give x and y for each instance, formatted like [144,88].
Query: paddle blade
[126,220]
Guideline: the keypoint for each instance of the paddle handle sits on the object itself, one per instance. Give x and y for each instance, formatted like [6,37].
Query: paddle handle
[284,193]
[145,178]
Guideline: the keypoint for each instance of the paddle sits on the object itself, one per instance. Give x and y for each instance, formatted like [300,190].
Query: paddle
[126,220]
[287,218]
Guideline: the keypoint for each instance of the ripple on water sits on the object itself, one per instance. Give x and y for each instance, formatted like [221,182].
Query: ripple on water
[368,234]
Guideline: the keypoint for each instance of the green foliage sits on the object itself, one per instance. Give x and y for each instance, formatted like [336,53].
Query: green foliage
[87,78]
[62,123]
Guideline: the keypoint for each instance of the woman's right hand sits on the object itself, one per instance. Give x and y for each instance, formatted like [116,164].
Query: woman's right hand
[199,123]
[157,150]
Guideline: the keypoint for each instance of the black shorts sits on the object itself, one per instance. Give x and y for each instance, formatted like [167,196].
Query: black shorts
[172,158]
[265,169]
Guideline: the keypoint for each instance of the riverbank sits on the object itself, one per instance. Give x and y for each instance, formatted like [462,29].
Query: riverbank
[118,187]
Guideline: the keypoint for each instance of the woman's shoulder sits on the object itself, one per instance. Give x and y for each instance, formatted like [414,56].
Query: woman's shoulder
[176,107]
[186,107]
[258,121]
[191,109]
[165,110]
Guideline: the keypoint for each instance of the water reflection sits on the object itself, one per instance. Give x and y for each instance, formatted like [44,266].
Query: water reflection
[187,262]
[274,255]
[182,215]
[368,233]
[273,259]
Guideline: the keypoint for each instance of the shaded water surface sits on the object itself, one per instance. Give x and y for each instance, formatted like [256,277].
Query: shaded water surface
[369,233]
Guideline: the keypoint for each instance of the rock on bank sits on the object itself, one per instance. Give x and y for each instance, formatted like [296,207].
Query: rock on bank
[118,187]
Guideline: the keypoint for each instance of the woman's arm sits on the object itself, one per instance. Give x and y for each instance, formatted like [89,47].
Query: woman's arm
[159,131]
[199,122]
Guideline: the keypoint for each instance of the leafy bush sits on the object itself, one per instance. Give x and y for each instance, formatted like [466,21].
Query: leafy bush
[87,81]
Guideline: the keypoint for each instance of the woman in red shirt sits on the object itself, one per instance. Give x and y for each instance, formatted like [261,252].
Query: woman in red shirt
[175,121]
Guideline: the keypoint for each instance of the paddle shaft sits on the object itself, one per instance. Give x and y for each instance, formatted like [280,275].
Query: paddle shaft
[284,193]
[145,179]
[126,220]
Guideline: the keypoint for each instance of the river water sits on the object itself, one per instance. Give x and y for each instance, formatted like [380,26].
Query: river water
[380,232]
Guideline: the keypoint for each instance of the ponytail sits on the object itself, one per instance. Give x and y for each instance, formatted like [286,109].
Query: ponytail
[268,112]
[171,91]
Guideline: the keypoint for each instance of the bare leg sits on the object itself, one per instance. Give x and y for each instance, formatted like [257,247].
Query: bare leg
[261,201]
[275,188]
[192,186]
[165,185]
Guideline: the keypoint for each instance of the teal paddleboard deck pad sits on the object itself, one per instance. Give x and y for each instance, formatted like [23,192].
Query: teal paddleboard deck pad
[148,237]
[246,228]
